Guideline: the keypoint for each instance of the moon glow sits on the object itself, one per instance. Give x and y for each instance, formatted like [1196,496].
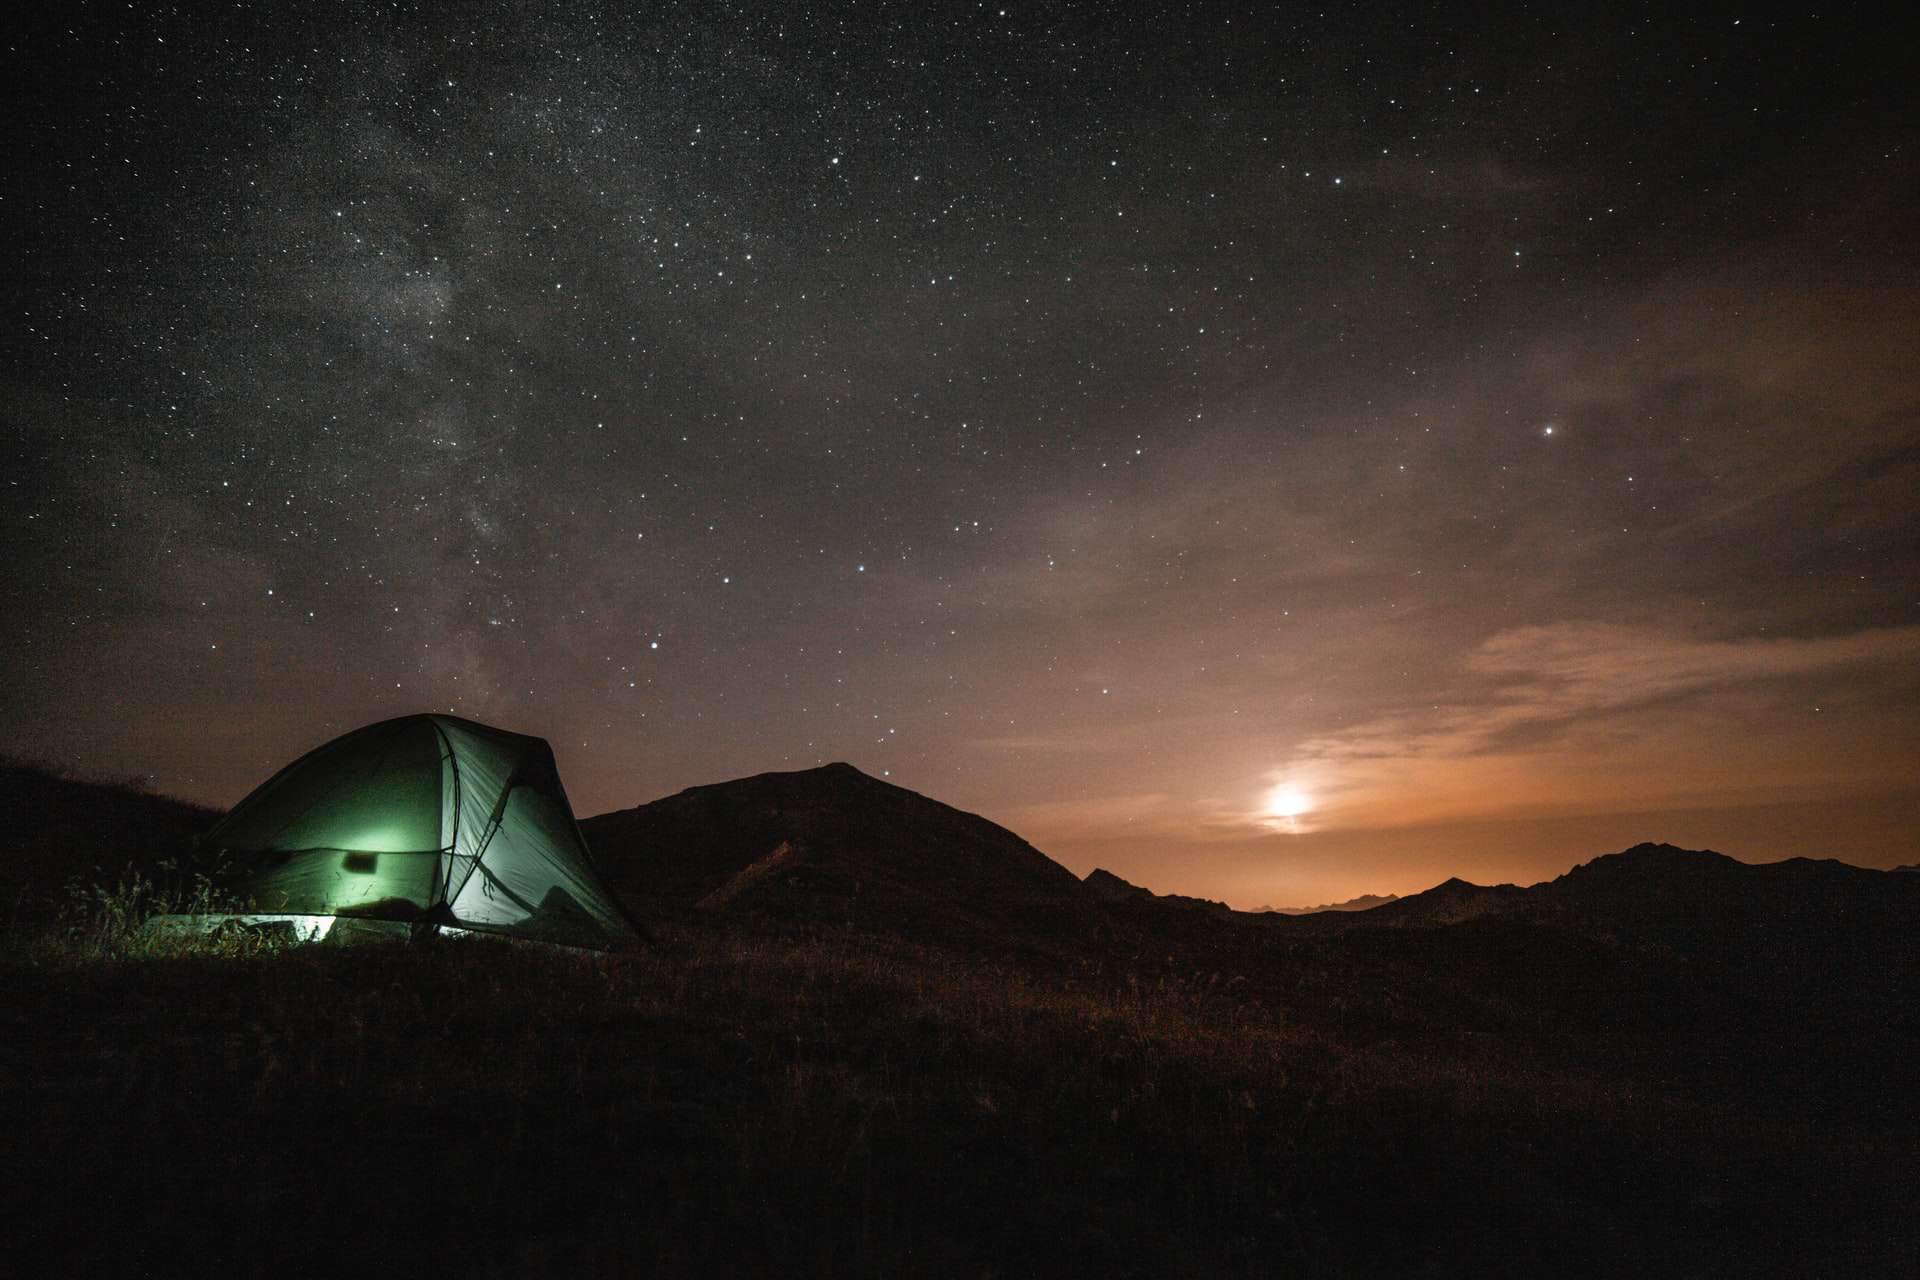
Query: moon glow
[1287,801]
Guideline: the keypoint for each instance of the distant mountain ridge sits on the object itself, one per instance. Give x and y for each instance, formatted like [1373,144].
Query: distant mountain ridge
[1365,902]
[1800,915]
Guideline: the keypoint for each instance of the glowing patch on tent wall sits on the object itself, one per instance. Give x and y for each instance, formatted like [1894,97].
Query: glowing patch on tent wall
[385,839]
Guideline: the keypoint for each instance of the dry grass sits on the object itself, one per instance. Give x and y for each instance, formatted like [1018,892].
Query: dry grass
[753,1102]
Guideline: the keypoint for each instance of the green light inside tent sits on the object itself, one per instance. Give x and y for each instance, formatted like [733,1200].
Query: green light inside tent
[387,838]
[373,866]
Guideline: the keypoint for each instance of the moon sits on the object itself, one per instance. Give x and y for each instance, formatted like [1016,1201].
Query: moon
[1287,801]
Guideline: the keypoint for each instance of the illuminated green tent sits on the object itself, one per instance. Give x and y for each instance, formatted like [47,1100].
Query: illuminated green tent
[428,821]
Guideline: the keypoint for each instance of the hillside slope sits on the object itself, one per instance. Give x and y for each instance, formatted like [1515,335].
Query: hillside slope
[835,845]
[60,827]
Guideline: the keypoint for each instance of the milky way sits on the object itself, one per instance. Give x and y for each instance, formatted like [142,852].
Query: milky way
[1496,441]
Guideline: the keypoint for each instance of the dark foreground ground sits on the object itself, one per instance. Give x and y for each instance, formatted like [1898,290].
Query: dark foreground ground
[740,1103]
[759,1095]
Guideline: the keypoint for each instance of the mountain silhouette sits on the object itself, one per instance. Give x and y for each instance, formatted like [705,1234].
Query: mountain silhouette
[1448,902]
[1656,894]
[1365,902]
[1816,919]
[1108,887]
[833,844]
[1114,890]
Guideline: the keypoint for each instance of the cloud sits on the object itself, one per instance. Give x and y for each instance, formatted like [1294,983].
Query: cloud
[1591,713]
[1574,668]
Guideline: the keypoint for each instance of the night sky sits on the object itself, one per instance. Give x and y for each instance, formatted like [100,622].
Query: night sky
[1276,455]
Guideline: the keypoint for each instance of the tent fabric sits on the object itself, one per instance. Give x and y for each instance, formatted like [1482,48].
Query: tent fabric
[430,819]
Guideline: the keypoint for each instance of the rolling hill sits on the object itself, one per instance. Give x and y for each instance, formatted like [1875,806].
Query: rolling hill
[834,845]
[59,827]
[1688,901]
